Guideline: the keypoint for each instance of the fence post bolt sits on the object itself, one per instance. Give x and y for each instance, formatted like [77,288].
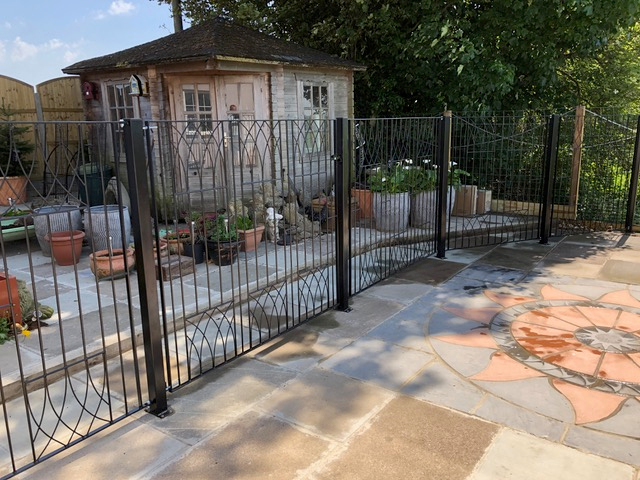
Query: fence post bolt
[633,186]
[145,266]
[444,161]
[342,167]
[550,162]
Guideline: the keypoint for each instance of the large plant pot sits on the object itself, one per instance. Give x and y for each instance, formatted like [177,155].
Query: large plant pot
[9,297]
[58,218]
[424,208]
[14,188]
[103,222]
[222,253]
[194,250]
[391,211]
[112,265]
[249,239]
[66,247]
[466,200]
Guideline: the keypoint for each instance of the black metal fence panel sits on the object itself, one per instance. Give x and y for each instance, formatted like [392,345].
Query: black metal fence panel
[241,242]
[245,211]
[69,340]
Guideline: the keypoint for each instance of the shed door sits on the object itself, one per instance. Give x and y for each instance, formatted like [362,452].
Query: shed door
[240,103]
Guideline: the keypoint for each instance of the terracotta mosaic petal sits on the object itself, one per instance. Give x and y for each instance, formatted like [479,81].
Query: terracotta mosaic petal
[629,322]
[506,300]
[589,405]
[583,359]
[482,315]
[552,293]
[549,317]
[542,341]
[503,368]
[603,317]
[570,315]
[621,297]
[473,338]
[619,367]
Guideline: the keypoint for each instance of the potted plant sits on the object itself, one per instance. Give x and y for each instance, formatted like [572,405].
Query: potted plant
[15,163]
[391,202]
[16,224]
[176,240]
[193,246]
[222,244]
[249,235]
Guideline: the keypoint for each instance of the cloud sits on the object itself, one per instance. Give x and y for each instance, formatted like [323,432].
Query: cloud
[22,50]
[3,51]
[70,57]
[120,7]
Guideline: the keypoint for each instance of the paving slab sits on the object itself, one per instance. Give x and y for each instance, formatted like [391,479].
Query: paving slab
[253,447]
[624,271]
[413,440]
[525,457]
[326,403]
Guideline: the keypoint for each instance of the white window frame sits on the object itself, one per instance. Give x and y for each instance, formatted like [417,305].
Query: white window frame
[119,111]
[322,145]
[198,115]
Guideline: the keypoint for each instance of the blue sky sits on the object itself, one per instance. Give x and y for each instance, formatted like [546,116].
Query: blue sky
[40,37]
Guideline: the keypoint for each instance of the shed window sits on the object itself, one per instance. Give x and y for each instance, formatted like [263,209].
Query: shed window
[121,106]
[197,108]
[315,111]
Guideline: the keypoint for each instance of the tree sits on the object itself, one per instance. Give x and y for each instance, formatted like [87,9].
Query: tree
[424,56]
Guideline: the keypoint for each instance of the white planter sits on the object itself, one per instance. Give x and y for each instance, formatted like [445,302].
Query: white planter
[391,211]
[102,222]
[424,209]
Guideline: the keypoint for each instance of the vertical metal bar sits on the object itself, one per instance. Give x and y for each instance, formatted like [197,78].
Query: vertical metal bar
[342,208]
[633,186]
[141,214]
[444,160]
[551,160]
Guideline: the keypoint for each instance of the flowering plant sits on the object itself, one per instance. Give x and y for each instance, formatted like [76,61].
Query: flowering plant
[392,179]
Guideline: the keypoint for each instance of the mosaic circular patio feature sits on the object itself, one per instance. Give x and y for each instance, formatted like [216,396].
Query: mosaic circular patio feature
[576,341]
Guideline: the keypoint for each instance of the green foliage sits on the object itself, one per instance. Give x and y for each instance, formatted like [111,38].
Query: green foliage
[393,179]
[244,222]
[14,149]
[5,329]
[426,56]
[220,230]
[421,179]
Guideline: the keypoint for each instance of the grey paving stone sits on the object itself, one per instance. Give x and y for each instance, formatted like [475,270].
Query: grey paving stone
[252,447]
[406,328]
[535,394]
[624,422]
[439,385]
[301,349]
[326,403]
[378,362]
[465,360]
[492,274]
[622,449]
[524,457]
[514,416]
[623,271]
[399,291]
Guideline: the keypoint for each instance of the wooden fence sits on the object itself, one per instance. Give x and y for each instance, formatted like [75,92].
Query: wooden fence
[59,99]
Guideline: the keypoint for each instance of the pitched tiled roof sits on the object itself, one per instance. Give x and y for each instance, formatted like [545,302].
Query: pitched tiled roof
[212,39]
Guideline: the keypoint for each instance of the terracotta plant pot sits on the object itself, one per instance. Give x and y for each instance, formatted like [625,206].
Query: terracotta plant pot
[105,265]
[250,238]
[9,284]
[66,246]
[364,202]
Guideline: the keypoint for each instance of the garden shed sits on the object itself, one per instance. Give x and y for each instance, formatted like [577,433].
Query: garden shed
[215,91]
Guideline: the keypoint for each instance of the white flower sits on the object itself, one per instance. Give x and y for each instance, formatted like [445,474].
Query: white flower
[426,161]
[384,179]
[408,161]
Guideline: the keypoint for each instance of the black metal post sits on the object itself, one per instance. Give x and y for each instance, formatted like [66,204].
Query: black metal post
[145,266]
[343,211]
[444,160]
[633,187]
[550,162]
